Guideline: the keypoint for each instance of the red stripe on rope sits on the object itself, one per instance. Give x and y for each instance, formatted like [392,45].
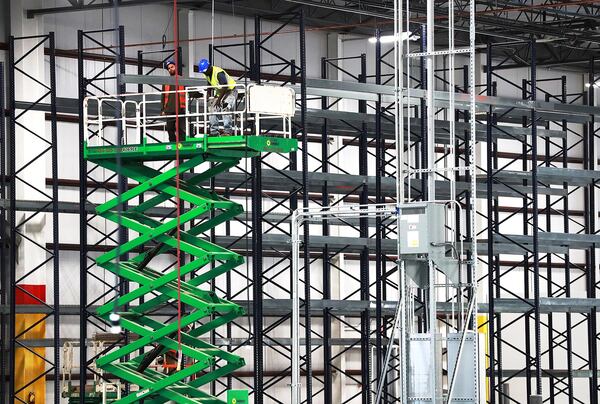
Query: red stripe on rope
[177,199]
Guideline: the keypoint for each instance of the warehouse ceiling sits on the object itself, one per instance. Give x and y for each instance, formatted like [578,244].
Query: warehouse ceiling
[566,31]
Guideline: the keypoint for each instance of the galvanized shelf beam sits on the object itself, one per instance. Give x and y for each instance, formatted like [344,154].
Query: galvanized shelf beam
[550,176]
[337,127]
[314,125]
[277,307]
[558,243]
[369,92]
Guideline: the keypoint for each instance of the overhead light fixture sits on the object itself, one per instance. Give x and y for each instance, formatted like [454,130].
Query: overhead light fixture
[390,38]
[115,320]
[587,85]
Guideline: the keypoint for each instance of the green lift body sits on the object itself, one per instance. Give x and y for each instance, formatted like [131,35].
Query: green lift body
[205,311]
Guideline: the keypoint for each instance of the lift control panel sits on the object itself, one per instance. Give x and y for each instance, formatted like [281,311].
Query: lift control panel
[421,227]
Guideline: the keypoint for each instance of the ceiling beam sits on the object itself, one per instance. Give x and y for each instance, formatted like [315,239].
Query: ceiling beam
[77,6]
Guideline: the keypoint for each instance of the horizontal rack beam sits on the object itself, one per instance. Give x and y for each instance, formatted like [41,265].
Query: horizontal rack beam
[335,128]
[510,107]
[559,243]
[278,307]
[25,205]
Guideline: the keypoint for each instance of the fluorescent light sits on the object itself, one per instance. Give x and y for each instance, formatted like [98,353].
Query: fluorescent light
[390,38]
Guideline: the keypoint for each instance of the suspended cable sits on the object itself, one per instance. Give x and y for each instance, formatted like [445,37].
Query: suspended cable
[115,318]
[164,35]
[212,25]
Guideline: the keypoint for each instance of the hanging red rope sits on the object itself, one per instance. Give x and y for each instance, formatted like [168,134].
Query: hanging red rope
[177,198]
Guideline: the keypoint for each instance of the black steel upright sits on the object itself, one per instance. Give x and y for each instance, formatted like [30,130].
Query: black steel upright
[593,283]
[327,317]
[535,226]
[55,219]
[379,259]
[83,254]
[4,281]
[490,246]
[257,248]
[305,200]
[12,223]
[257,269]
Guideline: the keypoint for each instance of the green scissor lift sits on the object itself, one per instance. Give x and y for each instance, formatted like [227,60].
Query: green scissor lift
[205,310]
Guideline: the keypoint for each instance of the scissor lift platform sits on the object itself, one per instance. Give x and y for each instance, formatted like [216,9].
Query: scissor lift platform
[204,363]
[213,146]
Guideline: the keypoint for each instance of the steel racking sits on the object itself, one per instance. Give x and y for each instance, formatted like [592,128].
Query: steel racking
[541,241]
[91,186]
[567,111]
[20,119]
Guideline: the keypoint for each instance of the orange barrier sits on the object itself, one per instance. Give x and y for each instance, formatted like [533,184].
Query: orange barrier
[29,362]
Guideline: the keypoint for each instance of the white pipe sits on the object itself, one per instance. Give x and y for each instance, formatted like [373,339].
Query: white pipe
[473,165]
[295,386]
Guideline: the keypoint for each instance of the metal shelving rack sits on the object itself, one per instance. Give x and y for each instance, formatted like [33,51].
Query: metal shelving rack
[93,184]
[548,188]
[262,227]
[561,302]
[357,139]
[20,119]
[4,279]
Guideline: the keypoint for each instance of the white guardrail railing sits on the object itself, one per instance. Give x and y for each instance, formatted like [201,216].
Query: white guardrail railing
[139,114]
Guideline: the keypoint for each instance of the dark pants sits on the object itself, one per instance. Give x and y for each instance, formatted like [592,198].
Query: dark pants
[171,129]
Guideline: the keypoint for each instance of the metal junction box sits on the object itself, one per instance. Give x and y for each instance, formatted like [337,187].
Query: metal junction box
[423,240]
[420,226]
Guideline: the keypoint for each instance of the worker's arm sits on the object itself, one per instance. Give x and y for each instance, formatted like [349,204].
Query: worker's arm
[209,91]
[194,94]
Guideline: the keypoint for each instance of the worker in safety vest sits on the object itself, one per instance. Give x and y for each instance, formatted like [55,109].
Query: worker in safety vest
[225,95]
[173,104]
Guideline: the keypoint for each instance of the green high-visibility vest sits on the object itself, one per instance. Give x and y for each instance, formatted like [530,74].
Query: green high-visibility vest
[213,80]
